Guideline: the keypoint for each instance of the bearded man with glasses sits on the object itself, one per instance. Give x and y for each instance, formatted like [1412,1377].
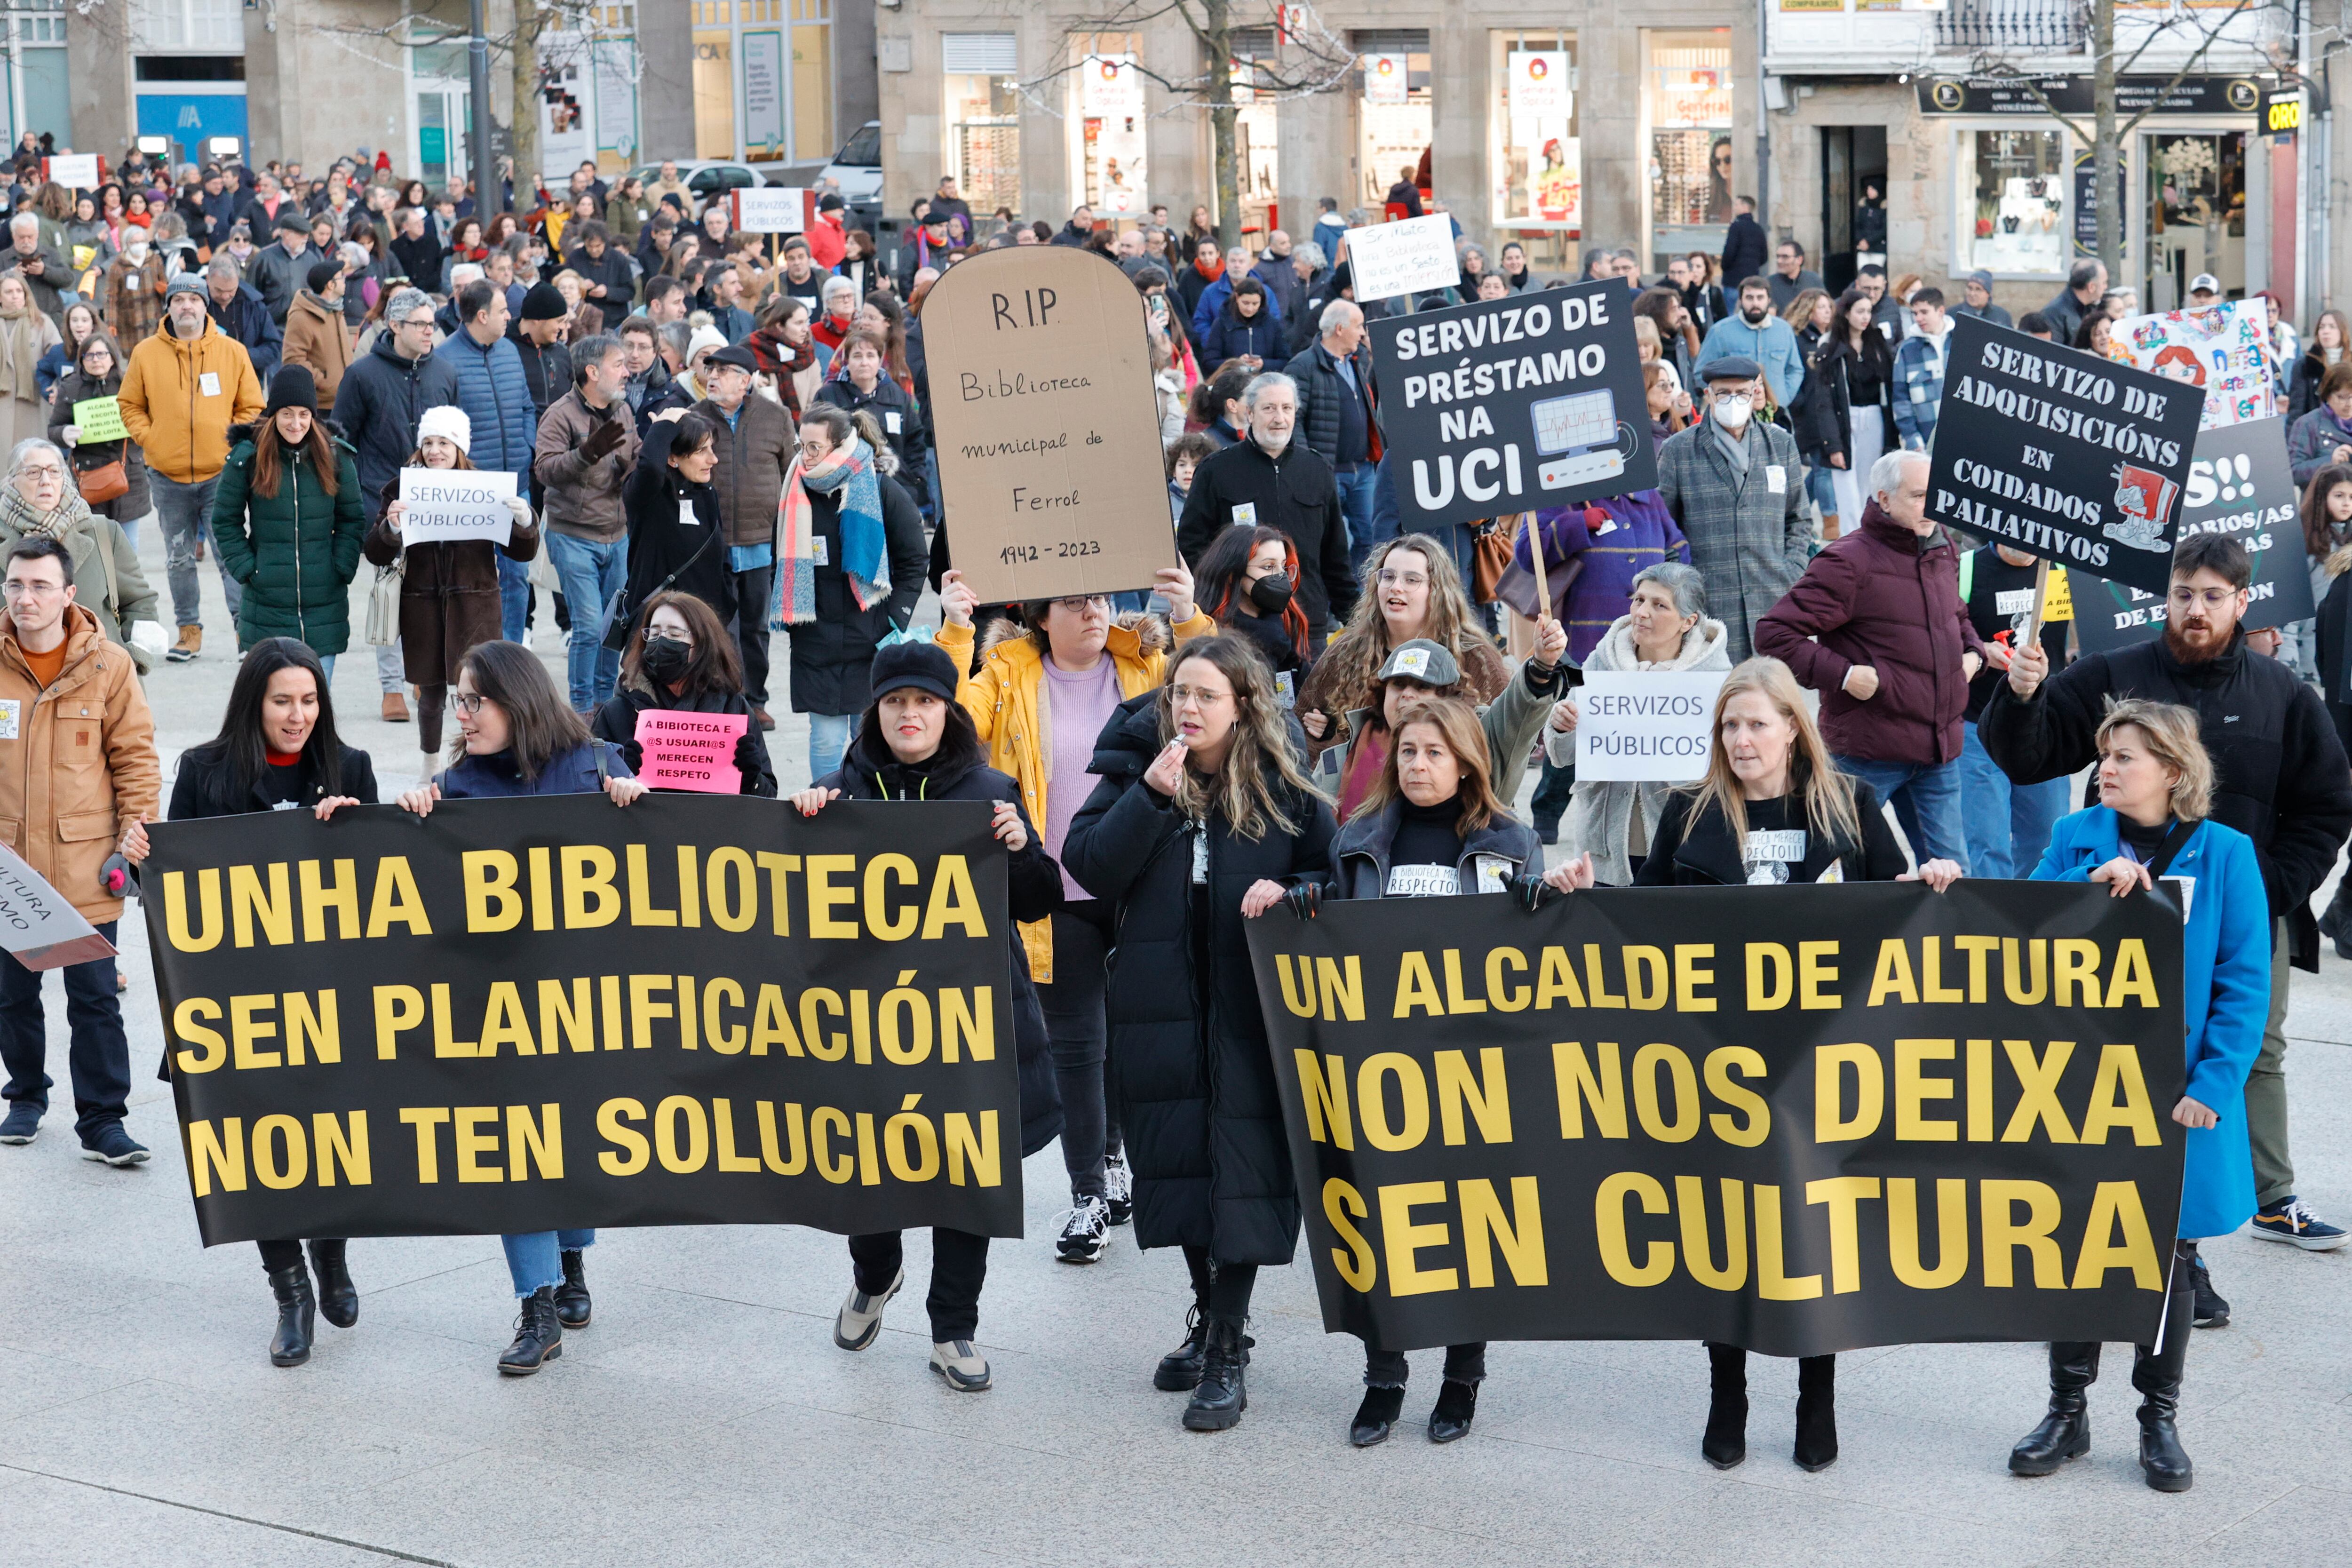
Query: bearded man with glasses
[2280,777]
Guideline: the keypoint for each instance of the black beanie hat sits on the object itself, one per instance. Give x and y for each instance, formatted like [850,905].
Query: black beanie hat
[544,302]
[921,665]
[324,273]
[293,388]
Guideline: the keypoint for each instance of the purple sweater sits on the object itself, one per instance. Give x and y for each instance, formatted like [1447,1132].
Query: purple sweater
[1619,537]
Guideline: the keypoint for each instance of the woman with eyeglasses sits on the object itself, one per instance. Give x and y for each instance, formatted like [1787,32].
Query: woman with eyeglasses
[1038,700]
[517,735]
[278,751]
[97,373]
[1202,820]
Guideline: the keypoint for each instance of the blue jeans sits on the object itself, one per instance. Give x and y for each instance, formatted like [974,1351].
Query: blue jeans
[592,572]
[1820,487]
[1356,506]
[184,511]
[326,667]
[534,1258]
[1927,800]
[2007,824]
[828,739]
[514,598]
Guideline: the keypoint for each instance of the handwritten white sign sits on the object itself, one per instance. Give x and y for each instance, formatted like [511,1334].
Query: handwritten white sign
[38,925]
[1652,727]
[1403,257]
[75,171]
[445,505]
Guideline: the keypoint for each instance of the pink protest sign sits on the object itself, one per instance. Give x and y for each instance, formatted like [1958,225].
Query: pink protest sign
[691,750]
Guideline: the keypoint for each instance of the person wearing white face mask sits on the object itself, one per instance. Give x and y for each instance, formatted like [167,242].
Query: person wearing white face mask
[1734,485]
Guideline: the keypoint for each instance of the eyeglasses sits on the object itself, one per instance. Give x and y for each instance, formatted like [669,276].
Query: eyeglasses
[1078,604]
[1394,579]
[17,590]
[1199,695]
[2212,598]
[467,703]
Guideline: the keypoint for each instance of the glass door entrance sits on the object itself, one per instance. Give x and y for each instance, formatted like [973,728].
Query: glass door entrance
[444,117]
[2195,213]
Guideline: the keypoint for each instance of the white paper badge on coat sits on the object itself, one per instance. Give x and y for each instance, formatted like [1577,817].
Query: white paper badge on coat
[10,709]
[685,517]
[1245,514]
[890,421]
[821,551]
[1776,479]
[208,383]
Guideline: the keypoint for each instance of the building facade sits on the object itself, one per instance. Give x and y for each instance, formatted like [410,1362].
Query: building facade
[622,83]
[1576,125]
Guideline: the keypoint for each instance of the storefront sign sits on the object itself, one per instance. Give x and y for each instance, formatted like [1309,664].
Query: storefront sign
[442,505]
[1790,1118]
[2240,485]
[1508,405]
[1109,84]
[2222,350]
[2071,95]
[1403,257]
[1538,83]
[1041,391]
[2076,459]
[616,96]
[1384,79]
[763,90]
[1645,725]
[2280,114]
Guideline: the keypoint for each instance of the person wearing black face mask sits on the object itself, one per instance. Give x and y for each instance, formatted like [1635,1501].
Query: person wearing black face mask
[1245,584]
[681,659]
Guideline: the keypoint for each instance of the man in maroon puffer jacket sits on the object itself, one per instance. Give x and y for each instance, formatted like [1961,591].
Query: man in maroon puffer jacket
[1892,653]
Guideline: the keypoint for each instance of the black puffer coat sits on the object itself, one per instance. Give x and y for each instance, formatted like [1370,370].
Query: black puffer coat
[833,656]
[1189,1060]
[958,772]
[616,722]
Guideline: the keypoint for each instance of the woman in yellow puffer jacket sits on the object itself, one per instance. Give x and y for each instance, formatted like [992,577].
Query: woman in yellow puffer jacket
[1039,699]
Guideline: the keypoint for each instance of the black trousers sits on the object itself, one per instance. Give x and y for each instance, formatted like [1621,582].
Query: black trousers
[276,1255]
[99,1056]
[752,634]
[959,1268]
[2157,1368]
[1219,1290]
[1080,1036]
[1464,1363]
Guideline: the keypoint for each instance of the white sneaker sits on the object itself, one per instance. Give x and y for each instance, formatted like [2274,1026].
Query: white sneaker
[964,1367]
[1088,1227]
[1119,1189]
[861,1316]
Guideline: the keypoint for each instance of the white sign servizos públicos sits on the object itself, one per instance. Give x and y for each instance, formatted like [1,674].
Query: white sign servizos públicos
[1403,257]
[772,209]
[1645,726]
[443,505]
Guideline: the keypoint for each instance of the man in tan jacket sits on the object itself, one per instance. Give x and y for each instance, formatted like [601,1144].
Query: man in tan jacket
[183,389]
[76,761]
[316,338]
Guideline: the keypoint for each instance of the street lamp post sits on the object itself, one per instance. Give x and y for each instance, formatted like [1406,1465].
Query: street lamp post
[486,174]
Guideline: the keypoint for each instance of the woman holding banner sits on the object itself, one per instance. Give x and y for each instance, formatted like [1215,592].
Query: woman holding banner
[915,742]
[1432,827]
[2156,786]
[1772,811]
[681,660]
[278,751]
[517,735]
[1037,700]
[1202,821]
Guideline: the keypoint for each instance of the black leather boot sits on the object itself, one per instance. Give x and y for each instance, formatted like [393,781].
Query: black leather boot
[1179,1369]
[1816,1447]
[339,1298]
[1457,1406]
[297,1311]
[538,1336]
[1725,1442]
[1223,1395]
[2156,1372]
[1376,1416]
[573,1308]
[2065,1433]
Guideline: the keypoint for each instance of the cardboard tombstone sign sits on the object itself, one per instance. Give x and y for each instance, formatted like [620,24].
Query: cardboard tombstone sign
[1048,429]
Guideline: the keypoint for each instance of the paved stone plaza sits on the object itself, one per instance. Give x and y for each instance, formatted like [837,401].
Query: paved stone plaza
[707,1418]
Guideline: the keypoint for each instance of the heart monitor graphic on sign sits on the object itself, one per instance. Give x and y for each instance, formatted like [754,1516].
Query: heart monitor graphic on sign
[1580,438]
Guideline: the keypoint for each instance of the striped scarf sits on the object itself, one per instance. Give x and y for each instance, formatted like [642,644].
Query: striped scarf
[862,559]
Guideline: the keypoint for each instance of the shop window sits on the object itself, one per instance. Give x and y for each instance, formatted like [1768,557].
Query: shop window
[1109,150]
[2015,202]
[2195,213]
[1688,92]
[812,136]
[1392,111]
[714,79]
[1534,161]
[1256,139]
[983,118]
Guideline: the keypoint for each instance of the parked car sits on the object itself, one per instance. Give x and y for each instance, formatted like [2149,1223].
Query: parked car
[705,177]
[856,169]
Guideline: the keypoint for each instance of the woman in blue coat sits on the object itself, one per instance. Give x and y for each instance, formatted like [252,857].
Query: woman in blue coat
[2156,786]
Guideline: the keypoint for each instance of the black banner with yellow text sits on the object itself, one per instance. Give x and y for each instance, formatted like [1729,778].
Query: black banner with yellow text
[1800,1119]
[531,1014]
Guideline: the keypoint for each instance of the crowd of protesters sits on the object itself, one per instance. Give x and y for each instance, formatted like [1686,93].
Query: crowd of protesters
[714,436]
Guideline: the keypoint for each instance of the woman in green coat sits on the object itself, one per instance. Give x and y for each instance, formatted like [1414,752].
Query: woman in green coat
[288,521]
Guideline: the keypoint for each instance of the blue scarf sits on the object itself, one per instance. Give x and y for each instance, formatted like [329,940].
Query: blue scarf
[864,558]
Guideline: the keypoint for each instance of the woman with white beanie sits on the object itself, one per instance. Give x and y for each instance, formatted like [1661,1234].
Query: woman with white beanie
[706,342]
[448,592]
